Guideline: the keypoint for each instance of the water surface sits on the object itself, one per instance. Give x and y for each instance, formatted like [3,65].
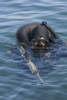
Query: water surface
[16,80]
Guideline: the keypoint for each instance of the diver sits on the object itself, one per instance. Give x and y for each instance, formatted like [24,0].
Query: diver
[39,36]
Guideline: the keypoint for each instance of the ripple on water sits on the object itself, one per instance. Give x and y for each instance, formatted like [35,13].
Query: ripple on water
[16,80]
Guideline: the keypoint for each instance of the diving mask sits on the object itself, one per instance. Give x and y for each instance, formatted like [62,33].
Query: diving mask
[39,44]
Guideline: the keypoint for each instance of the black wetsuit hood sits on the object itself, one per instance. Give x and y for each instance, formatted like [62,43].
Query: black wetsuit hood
[40,33]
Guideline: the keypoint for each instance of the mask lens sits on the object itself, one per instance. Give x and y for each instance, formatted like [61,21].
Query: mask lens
[35,43]
[42,43]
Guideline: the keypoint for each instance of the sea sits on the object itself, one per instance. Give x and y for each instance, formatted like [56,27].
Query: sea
[16,80]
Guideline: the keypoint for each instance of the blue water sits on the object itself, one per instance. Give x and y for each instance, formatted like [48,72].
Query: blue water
[16,80]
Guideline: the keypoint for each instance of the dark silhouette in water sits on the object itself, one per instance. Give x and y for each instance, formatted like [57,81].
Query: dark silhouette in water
[39,36]
[42,38]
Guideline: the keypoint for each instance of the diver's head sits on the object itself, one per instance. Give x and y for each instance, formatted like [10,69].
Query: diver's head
[40,44]
[40,38]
